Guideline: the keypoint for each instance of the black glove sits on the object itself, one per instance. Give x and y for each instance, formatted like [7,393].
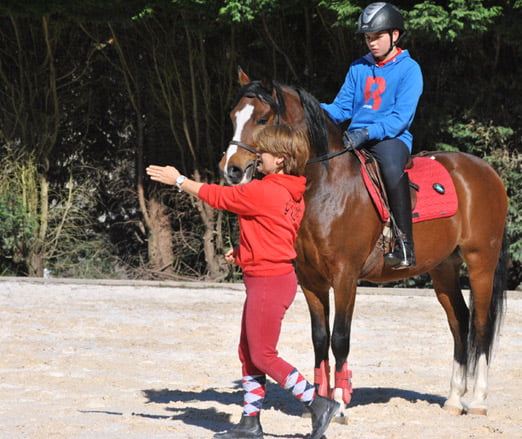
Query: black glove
[356,138]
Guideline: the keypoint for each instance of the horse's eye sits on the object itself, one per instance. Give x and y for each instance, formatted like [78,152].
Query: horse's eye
[262,121]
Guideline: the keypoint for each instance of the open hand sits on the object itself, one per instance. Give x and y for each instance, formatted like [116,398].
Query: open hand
[163,174]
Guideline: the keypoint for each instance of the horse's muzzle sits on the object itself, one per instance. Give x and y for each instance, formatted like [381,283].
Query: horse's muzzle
[235,175]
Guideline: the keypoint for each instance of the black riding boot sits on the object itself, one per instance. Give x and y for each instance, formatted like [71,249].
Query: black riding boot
[322,410]
[403,254]
[248,428]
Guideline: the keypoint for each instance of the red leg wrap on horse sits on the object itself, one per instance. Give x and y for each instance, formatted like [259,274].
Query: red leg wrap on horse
[322,378]
[343,380]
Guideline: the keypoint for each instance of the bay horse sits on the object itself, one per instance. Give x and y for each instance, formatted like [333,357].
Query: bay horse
[338,242]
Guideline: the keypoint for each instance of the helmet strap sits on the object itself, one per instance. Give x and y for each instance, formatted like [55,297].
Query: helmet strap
[392,44]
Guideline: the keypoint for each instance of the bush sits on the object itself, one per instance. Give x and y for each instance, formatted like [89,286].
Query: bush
[495,145]
[17,228]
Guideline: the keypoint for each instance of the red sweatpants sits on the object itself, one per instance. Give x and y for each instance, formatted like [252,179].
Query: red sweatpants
[267,299]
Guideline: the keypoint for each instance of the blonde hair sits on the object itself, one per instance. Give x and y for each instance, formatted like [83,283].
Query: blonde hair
[287,142]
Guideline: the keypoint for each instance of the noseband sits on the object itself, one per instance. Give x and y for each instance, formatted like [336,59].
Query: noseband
[244,146]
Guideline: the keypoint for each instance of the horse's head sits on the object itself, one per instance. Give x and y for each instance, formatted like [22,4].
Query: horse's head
[265,103]
[258,104]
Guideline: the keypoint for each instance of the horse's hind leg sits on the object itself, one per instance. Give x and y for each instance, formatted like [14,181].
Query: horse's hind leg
[487,267]
[447,287]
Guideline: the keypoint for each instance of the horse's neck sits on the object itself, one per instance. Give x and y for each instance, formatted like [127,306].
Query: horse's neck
[335,135]
[341,172]
[296,117]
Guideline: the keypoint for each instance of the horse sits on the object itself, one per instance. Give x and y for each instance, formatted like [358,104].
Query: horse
[339,241]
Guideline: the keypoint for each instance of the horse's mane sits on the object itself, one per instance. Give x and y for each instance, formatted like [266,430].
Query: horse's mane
[315,121]
[263,91]
[314,115]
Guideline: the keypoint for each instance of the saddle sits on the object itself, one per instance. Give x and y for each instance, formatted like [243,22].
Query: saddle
[432,191]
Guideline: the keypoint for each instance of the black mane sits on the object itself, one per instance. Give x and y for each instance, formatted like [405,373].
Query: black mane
[263,92]
[315,122]
[314,115]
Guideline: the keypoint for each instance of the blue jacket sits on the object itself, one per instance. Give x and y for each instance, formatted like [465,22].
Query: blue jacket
[382,98]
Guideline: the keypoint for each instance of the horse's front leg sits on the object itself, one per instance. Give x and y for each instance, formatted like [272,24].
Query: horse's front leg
[344,295]
[318,305]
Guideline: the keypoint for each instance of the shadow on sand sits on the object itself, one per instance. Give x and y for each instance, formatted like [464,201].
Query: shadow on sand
[277,398]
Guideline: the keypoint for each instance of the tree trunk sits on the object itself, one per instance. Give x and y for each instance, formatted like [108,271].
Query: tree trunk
[215,263]
[211,218]
[161,256]
[35,265]
[37,252]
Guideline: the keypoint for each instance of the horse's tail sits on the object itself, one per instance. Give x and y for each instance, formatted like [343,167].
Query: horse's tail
[496,311]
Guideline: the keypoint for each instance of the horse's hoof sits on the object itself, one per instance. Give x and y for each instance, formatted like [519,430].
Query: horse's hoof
[481,411]
[340,419]
[453,410]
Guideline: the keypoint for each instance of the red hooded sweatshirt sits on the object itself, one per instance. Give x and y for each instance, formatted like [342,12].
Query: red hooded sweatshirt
[270,212]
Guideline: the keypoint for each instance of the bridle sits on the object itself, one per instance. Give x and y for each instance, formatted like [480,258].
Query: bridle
[244,146]
[278,120]
[322,158]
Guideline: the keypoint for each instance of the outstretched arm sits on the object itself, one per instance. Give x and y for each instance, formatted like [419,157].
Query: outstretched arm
[169,175]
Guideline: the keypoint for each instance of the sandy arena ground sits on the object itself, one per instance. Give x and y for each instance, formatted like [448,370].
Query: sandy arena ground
[107,360]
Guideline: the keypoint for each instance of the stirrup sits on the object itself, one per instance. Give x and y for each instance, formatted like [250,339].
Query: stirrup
[405,263]
[402,256]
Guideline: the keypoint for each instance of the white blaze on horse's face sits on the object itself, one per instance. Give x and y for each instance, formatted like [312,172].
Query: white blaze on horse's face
[241,116]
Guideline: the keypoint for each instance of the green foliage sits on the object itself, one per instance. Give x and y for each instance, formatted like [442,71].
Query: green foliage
[245,11]
[18,209]
[70,246]
[478,138]
[436,20]
[459,18]
[346,11]
[242,10]
[75,245]
[17,228]
[495,145]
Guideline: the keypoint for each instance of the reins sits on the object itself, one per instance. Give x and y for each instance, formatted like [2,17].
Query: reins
[322,158]
[329,156]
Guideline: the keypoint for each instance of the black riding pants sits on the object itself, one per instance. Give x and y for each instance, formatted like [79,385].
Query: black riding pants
[392,155]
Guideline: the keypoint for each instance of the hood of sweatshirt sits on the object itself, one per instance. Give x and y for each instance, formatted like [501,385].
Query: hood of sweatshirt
[293,184]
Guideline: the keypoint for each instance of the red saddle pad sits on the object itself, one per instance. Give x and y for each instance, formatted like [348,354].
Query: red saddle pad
[436,197]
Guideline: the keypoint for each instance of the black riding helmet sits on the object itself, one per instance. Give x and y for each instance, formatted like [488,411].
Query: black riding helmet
[380,16]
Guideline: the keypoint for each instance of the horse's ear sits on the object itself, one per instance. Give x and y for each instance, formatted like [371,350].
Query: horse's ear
[243,77]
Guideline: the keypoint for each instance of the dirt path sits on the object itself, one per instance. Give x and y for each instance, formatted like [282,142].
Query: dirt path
[84,360]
